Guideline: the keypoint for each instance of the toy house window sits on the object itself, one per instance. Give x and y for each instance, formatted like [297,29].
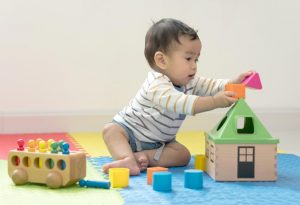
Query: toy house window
[207,149]
[245,125]
[212,153]
[246,154]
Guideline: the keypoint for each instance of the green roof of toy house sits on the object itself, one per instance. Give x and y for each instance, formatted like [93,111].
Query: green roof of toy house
[240,126]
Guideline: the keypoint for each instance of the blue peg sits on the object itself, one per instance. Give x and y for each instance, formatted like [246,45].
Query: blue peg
[65,148]
[94,184]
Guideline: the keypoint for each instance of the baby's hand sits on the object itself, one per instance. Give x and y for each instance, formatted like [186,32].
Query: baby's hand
[224,99]
[240,78]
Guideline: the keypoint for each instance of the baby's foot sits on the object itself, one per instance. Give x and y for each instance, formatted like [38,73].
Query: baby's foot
[142,160]
[123,163]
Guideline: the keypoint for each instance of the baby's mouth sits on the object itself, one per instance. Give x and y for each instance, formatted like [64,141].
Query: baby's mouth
[192,75]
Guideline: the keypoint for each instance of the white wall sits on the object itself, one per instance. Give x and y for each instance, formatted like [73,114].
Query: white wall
[86,56]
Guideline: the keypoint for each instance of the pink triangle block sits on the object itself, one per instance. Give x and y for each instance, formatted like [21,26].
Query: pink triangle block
[253,81]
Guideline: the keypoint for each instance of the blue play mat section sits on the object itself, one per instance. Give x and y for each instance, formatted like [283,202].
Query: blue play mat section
[286,190]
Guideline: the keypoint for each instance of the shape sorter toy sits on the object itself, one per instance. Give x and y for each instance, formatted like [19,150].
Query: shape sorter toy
[239,147]
[55,168]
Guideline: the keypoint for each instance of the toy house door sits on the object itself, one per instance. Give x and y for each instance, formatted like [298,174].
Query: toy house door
[246,156]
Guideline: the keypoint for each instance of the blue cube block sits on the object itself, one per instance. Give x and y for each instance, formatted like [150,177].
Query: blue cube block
[193,179]
[162,181]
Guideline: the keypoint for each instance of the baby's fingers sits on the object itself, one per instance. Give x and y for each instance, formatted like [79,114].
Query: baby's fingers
[230,97]
[229,93]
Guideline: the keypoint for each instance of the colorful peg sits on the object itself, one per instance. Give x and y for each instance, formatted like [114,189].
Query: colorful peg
[94,184]
[21,144]
[65,148]
[31,146]
[54,148]
[42,146]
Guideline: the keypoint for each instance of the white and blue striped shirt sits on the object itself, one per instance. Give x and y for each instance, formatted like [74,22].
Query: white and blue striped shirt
[159,108]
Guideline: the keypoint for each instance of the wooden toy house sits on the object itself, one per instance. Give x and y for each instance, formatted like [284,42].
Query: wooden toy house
[239,148]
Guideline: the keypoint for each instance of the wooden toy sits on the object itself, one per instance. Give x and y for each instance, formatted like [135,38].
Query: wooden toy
[239,90]
[200,162]
[239,148]
[193,179]
[253,81]
[118,177]
[50,172]
[94,184]
[162,181]
[151,170]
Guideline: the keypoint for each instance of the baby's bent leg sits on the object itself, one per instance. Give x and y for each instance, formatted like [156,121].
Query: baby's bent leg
[142,160]
[117,144]
[173,154]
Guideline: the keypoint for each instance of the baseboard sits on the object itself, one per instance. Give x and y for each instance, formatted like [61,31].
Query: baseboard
[47,122]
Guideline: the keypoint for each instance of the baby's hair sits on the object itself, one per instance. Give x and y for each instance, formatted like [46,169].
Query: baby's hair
[162,34]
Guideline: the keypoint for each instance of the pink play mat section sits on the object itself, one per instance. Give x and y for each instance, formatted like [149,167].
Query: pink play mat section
[9,141]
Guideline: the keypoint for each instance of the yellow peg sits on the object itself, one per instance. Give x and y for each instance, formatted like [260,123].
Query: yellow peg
[42,149]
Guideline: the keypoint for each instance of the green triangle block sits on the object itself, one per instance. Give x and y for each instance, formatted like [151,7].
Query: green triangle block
[240,126]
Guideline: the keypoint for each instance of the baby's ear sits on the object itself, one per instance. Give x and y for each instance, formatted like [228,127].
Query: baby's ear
[160,60]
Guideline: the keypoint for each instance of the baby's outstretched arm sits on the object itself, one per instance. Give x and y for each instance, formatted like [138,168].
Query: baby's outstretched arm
[220,100]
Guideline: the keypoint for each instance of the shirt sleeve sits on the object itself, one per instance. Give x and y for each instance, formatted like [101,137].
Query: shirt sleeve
[162,92]
[201,86]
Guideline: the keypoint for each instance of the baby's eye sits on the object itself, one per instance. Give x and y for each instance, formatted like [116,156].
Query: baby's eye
[188,59]
[196,60]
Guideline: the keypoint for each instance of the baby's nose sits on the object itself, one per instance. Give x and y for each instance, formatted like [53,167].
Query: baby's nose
[194,66]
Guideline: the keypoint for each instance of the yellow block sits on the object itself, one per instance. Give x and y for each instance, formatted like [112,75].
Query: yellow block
[200,162]
[118,177]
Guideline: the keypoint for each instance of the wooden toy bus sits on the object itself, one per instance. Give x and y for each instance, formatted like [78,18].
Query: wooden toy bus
[54,170]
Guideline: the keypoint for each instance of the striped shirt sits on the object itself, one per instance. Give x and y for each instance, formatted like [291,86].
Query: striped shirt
[157,111]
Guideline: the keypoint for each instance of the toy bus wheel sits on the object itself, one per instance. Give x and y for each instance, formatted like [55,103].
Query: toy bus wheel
[54,180]
[19,176]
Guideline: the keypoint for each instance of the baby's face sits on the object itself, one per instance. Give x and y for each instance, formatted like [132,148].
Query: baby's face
[182,61]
